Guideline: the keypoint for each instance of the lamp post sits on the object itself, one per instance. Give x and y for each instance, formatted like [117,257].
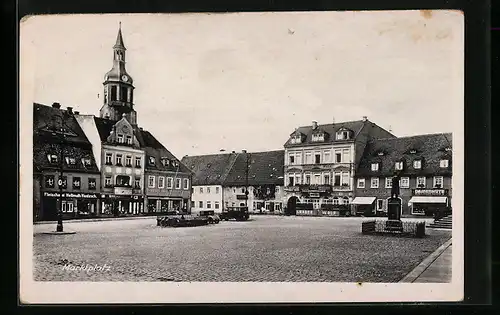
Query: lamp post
[246,180]
[61,136]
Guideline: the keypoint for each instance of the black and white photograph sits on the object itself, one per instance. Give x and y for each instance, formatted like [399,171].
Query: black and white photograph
[242,157]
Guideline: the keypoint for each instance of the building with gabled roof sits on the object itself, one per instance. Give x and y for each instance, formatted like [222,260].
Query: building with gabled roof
[320,163]
[61,146]
[424,165]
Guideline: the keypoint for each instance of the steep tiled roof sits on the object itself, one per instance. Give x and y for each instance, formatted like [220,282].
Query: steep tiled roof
[430,149]
[154,148]
[45,142]
[265,168]
[104,127]
[329,129]
[210,169]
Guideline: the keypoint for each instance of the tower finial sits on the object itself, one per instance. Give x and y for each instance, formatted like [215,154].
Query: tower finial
[119,38]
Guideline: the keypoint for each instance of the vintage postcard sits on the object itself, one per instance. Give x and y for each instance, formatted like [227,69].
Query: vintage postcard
[242,157]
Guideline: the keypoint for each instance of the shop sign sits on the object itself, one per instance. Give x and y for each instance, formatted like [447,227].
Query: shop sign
[69,195]
[430,192]
[241,197]
[314,195]
[292,188]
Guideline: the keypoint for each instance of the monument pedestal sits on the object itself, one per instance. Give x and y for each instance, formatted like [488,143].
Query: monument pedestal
[394,215]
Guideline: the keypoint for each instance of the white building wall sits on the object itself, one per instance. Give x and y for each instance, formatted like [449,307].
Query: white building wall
[207,194]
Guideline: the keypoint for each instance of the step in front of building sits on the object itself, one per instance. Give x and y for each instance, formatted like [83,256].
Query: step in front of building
[444,223]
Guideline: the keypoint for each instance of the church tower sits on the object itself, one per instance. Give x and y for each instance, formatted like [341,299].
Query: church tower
[118,87]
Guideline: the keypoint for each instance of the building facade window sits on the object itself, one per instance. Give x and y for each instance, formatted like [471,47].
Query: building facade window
[326,157]
[420,182]
[337,179]
[77,183]
[345,179]
[291,159]
[438,182]
[216,190]
[216,205]
[192,204]
[308,179]
[52,158]
[209,205]
[177,183]
[338,156]
[398,166]
[200,204]
[404,182]
[374,167]
[170,182]
[208,190]
[317,158]
[151,181]
[63,182]
[152,160]
[361,183]
[417,164]
[109,159]
[308,158]
[120,138]
[128,160]
[388,182]
[49,181]
[380,204]
[92,183]
[443,163]
[346,156]
[107,181]
[129,139]
[201,190]
[137,182]
[186,184]
[326,179]
[161,182]
[118,160]
[138,161]
[374,182]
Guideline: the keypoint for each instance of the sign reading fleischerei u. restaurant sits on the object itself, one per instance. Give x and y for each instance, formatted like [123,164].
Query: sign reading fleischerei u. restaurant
[69,195]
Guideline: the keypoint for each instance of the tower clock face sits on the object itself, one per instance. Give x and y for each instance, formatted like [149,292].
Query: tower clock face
[124,78]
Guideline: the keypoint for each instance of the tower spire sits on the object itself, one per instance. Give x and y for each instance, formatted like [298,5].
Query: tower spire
[119,38]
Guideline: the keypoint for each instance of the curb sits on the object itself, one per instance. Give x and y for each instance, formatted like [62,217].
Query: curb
[415,273]
[95,220]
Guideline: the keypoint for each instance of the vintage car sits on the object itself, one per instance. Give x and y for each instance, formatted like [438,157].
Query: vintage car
[236,213]
[210,215]
[183,220]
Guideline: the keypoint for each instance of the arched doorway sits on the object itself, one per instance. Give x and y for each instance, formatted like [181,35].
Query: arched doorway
[291,206]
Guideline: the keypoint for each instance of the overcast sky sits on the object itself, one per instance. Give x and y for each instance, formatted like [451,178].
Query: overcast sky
[206,82]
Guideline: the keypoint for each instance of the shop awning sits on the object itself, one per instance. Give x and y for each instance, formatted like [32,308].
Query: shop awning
[428,199]
[363,200]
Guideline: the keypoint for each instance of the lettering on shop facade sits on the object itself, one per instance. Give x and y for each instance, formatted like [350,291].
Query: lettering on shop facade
[69,195]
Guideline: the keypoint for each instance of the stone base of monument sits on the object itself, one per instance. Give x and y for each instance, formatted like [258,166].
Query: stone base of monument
[393,228]
[59,233]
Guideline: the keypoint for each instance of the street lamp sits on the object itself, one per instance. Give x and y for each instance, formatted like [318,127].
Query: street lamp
[60,134]
[246,179]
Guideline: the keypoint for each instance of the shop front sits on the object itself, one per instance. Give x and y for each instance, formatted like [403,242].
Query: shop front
[364,206]
[73,205]
[121,205]
[430,202]
[158,204]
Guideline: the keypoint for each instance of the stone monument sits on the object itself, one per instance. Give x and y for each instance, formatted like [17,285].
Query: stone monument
[393,222]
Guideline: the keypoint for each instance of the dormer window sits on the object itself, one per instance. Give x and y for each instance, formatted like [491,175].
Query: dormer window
[70,161]
[86,162]
[297,138]
[413,151]
[318,137]
[417,164]
[129,139]
[448,149]
[120,138]
[165,162]
[398,166]
[52,158]
[380,153]
[374,167]
[152,160]
[342,134]
[443,163]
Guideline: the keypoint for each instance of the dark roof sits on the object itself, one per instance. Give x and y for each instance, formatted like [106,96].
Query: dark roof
[104,127]
[429,148]
[265,168]
[75,144]
[210,169]
[329,129]
[154,148]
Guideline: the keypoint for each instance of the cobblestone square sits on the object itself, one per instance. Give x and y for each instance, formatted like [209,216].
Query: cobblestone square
[265,248]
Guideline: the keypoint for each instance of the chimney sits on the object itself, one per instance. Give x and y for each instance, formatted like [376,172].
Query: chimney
[333,120]
[77,112]
[233,151]
[141,129]
[56,105]
[314,124]
[365,118]
[244,151]
[222,150]
[70,110]
[390,129]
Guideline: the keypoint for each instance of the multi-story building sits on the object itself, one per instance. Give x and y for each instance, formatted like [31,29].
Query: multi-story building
[168,181]
[60,145]
[209,173]
[261,173]
[424,165]
[320,162]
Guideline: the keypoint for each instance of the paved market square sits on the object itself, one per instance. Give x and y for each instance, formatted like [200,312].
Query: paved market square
[265,248]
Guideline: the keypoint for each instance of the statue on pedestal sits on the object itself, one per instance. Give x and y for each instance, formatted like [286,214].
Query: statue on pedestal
[394,206]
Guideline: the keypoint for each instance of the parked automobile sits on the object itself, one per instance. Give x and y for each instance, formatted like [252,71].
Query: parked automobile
[210,215]
[181,221]
[236,213]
